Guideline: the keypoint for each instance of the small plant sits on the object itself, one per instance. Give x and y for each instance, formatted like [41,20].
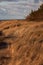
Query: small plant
[1,33]
[3,45]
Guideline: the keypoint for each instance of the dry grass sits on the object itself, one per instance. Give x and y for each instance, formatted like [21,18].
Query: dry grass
[25,43]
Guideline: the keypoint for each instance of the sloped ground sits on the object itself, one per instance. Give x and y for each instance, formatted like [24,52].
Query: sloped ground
[21,43]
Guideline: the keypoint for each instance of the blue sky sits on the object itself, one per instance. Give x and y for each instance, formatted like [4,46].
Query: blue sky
[17,9]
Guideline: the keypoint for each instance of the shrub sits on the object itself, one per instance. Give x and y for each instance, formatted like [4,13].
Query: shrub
[36,15]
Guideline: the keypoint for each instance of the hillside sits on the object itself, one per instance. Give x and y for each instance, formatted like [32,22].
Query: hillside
[21,43]
[36,15]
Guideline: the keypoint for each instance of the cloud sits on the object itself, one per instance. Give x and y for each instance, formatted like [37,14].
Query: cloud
[17,9]
[8,0]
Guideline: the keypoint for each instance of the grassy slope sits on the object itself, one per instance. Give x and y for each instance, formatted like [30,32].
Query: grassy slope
[26,39]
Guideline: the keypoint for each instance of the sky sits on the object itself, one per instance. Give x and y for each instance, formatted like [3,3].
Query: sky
[17,9]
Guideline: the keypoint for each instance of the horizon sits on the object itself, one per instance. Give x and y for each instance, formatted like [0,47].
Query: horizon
[17,9]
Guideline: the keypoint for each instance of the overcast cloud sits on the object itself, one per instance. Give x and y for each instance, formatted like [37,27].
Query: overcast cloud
[17,9]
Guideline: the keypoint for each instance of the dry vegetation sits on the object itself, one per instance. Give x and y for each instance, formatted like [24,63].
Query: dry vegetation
[21,43]
[36,15]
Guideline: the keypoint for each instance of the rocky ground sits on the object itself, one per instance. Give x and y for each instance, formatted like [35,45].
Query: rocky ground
[21,43]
